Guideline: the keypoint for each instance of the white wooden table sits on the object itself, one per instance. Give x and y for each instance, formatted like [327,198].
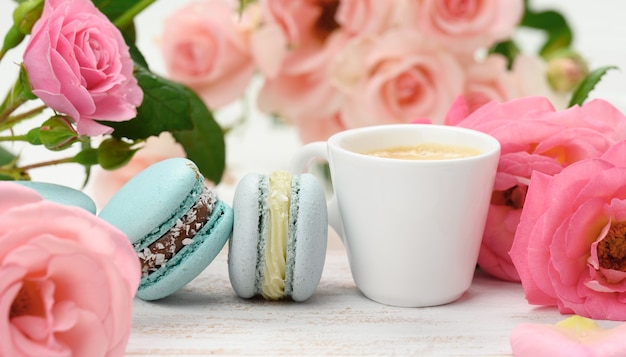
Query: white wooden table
[206,317]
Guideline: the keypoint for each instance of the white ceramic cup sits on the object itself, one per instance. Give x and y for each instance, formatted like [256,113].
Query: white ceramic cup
[411,228]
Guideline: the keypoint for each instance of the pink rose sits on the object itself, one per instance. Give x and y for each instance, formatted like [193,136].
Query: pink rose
[530,78]
[302,28]
[299,99]
[573,337]
[78,64]
[395,77]
[205,46]
[292,34]
[569,249]
[465,26]
[487,81]
[534,137]
[365,17]
[295,46]
[68,279]
[319,129]
[308,96]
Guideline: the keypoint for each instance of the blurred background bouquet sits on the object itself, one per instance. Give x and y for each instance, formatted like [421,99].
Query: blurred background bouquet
[318,65]
[328,65]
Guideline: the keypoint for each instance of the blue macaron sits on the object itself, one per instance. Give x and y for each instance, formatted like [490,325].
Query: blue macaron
[61,194]
[278,246]
[176,224]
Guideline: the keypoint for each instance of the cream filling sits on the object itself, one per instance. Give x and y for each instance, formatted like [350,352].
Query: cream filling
[276,244]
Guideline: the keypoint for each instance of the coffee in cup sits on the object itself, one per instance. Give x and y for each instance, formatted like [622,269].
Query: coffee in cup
[426,151]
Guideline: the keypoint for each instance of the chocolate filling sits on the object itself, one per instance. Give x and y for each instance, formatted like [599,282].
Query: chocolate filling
[180,235]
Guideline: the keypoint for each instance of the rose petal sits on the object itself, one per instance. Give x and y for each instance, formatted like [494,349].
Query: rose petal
[615,154]
[529,249]
[457,112]
[575,336]
[16,195]
[32,327]
[84,283]
[10,285]
[497,241]
[27,347]
[65,315]
[88,337]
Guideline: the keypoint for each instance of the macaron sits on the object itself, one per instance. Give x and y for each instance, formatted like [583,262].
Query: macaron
[176,224]
[278,246]
[61,194]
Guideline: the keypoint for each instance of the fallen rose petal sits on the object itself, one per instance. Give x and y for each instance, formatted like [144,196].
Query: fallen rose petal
[573,337]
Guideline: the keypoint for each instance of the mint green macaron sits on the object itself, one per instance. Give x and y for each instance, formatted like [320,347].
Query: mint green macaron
[61,194]
[303,222]
[176,224]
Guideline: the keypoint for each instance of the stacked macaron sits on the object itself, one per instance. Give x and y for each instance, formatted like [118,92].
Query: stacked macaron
[176,224]
[278,245]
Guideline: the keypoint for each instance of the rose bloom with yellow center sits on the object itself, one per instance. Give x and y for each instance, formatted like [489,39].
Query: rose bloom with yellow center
[570,245]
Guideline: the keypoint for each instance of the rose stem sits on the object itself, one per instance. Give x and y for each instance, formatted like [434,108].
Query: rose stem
[127,17]
[47,163]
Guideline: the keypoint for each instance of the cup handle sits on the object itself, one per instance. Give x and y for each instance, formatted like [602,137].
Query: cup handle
[301,163]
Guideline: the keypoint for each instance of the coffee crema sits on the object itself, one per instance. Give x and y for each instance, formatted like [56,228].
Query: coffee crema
[426,151]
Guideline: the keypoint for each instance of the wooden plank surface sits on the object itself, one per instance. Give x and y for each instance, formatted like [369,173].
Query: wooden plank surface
[206,317]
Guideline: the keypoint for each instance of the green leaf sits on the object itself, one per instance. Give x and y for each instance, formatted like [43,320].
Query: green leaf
[12,39]
[137,56]
[558,31]
[204,144]
[166,107]
[20,93]
[114,8]
[587,85]
[87,157]
[25,88]
[7,167]
[243,4]
[114,153]
[172,107]
[33,137]
[508,49]
[6,157]
[26,15]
